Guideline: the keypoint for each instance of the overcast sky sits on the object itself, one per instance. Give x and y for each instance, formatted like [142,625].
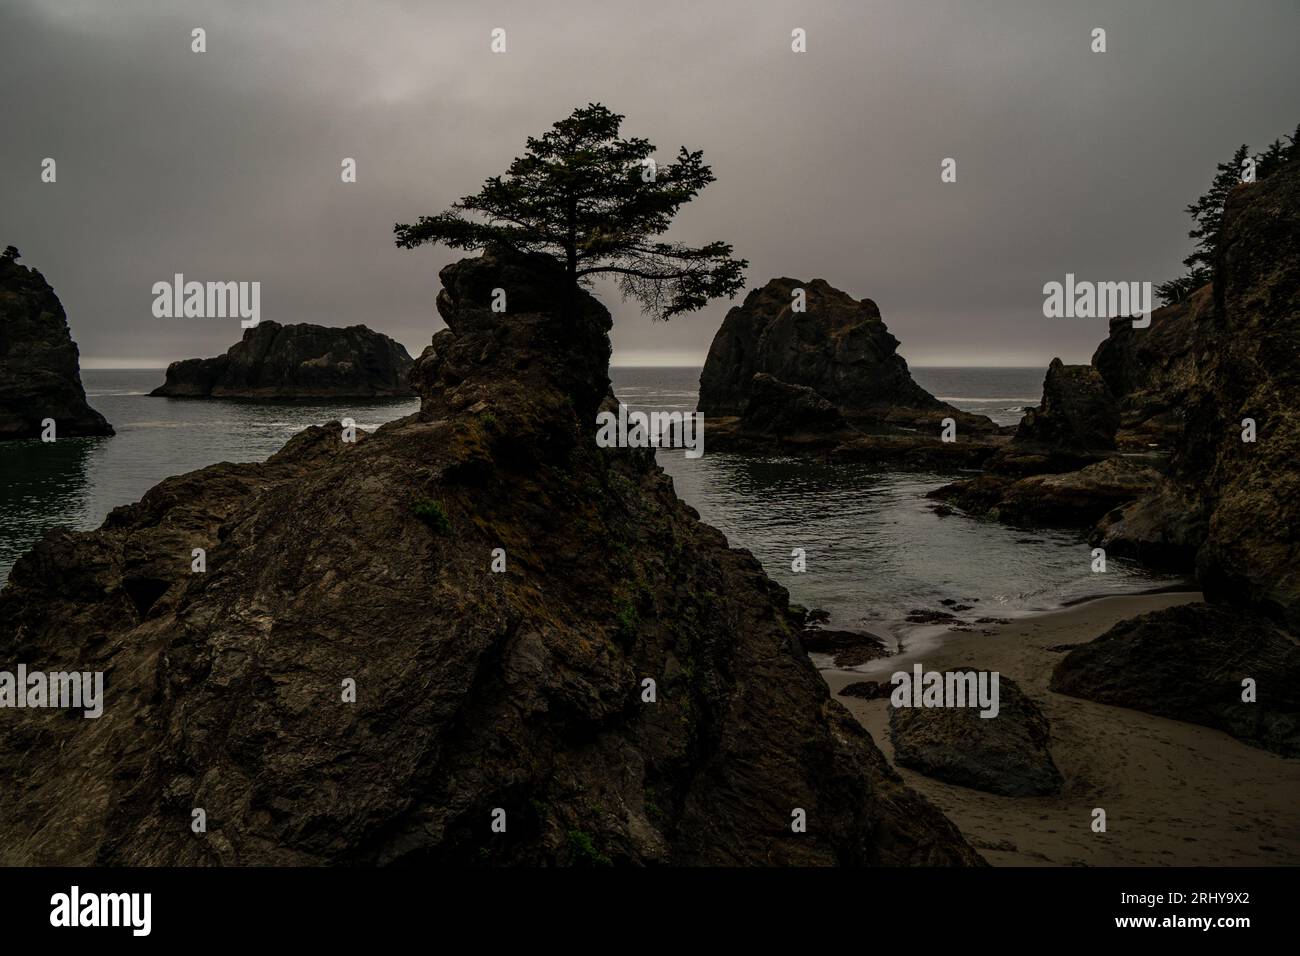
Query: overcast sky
[225,165]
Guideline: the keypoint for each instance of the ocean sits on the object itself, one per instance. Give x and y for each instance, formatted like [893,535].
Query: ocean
[874,549]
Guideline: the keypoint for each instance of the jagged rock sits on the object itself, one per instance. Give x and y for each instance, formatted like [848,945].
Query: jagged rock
[1187,384]
[865,689]
[1152,372]
[1077,414]
[1188,663]
[301,361]
[523,690]
[1251,553]
[1006,754]
[40,373]
[838,346]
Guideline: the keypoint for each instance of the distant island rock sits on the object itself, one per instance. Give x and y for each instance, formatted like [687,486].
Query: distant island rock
[40,374]
[298,361]
[826,377]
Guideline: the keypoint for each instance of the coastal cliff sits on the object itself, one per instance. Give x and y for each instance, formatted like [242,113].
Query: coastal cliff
[615,685]
[40,373]
[299,361]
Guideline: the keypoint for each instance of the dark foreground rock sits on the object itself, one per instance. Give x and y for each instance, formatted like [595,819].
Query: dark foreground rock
[522,691]
[40,372]
[1006,754]
[1188,663]
[274,361]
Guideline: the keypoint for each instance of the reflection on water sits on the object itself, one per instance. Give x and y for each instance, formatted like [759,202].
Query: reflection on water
[77,482]
[42,486]
[875,549]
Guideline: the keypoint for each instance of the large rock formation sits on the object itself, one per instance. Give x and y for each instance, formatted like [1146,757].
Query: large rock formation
[1189,663]
[822,379]
[296,361]
[40,375]
[1078,413]
[838,346]
[524,690]
[1251,552]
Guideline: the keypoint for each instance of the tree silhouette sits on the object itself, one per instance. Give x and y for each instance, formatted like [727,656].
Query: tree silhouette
[1208,210]
[595,202]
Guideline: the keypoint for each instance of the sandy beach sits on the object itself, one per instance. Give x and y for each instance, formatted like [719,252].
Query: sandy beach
[1174,793]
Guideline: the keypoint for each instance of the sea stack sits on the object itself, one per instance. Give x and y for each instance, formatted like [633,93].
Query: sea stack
[298,361]
[813,335]
[473,614]
[40,374]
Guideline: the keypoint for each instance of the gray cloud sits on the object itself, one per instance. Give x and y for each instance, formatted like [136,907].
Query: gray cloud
[225,165]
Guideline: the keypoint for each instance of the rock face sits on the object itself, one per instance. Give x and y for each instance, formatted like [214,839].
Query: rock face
[40,375]
[1153,372]
[1251,553]
[1188,663]
[778,409]
[1006,754]
[838,346]
[296,361]
[522,690]
[1188,387]
[1078,412]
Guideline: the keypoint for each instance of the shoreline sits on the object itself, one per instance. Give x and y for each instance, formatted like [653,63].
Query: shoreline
[1175,794]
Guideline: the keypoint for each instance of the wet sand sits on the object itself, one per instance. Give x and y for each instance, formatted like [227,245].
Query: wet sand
[1174,793]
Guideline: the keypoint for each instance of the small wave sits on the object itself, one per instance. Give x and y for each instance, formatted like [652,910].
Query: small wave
[967,398]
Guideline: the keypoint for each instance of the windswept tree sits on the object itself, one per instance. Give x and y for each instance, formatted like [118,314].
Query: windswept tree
[596,202]
[1208,210]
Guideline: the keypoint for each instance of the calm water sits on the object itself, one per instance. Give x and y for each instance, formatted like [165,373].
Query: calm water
[874,548]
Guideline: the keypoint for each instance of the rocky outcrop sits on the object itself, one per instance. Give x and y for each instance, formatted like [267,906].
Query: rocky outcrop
[1251,552]
[274,361]
[370,565]
[1189,663]
[40,373]
[1006,754]
[829,374]
[780,410]
[1078,413]
[1191,387]
[1075,499]
[1153,371]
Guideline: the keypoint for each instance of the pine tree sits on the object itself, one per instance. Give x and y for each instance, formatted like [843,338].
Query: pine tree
[595,202]
[1208,210]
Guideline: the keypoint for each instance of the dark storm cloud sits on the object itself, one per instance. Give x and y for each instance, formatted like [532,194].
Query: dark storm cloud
[225,165]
